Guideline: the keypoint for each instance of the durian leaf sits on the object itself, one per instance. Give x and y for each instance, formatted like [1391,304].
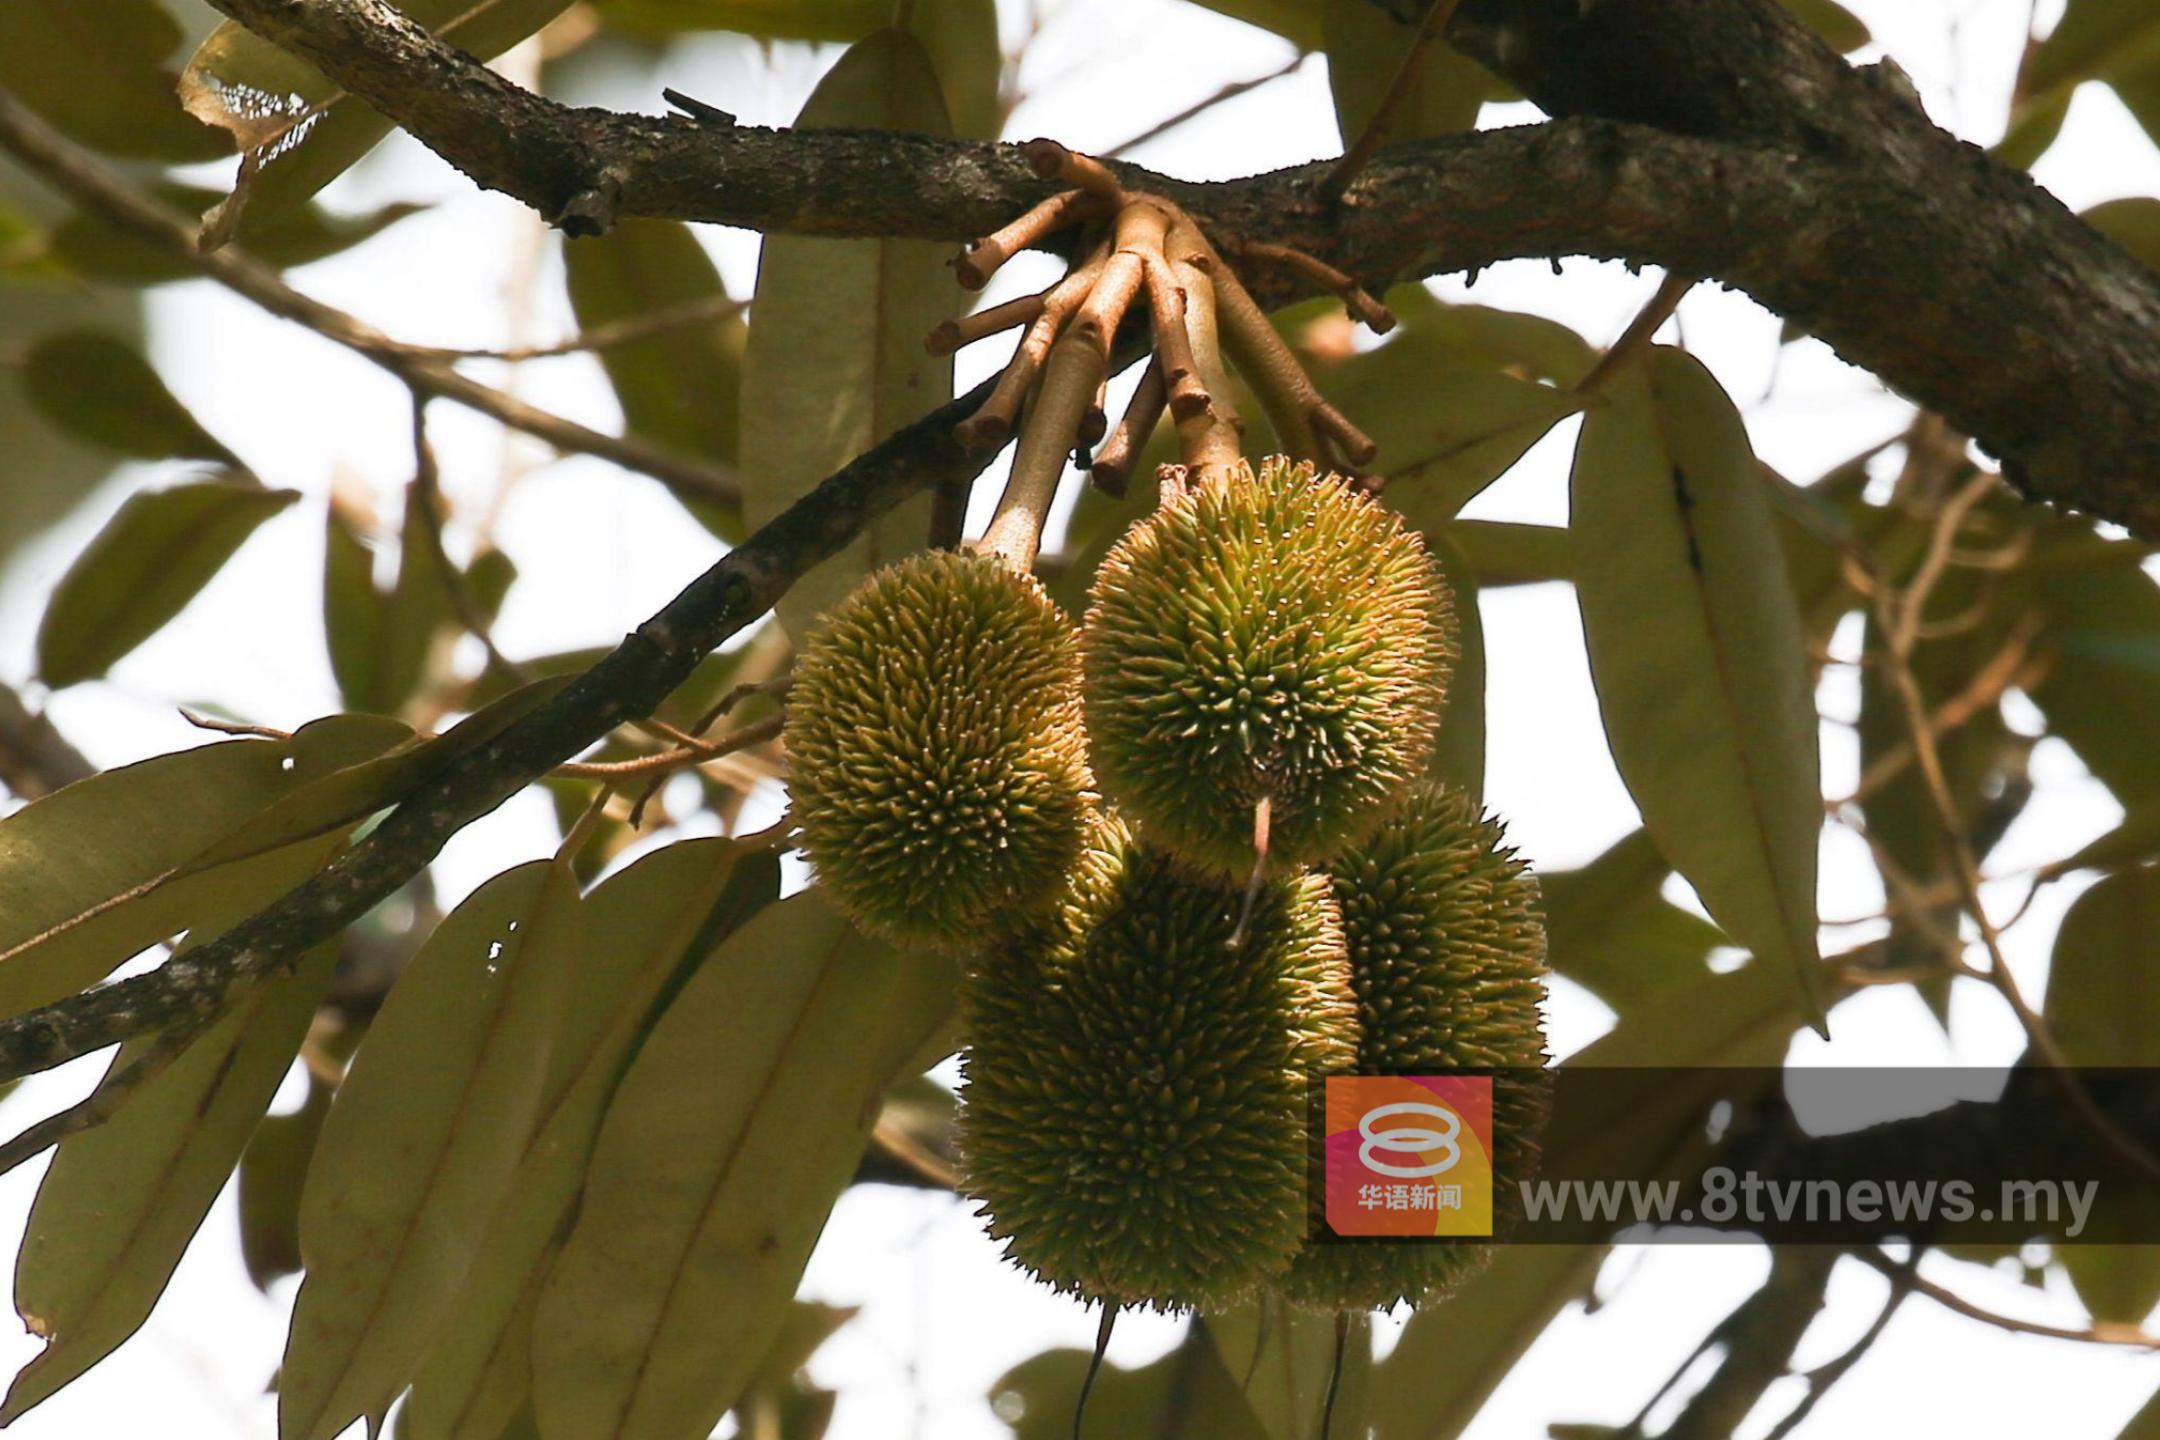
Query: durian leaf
[1297,21]
[1280,1358]
[1696,652]
[91,874]
[2116,41]
[678,388]
[154,556]
[1609,929]
[1452,1356]
[1365,48]
[1503,552]
[724,1146]
[422,1143]
[1186,1395]
[98,74]
[101,391]
[122,1200]
[1459,751]
[2102,633]
[272,1171]
[835,360]
[642,932]
[2145,1425]
[381,643]
[96,250]
[1449,399]
[257,92]
[2102,1009]
[2132,223]
[2133,842]
[960,37]
[1838,26]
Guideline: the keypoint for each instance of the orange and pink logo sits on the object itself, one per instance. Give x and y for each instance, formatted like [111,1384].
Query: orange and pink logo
[1409,1155]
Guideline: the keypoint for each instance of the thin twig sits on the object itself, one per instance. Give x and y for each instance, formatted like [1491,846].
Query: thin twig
[601,337]
[1636,338]
[2100,1332]
[100,1104]
[1200,107]
[1338,178]
[88,181]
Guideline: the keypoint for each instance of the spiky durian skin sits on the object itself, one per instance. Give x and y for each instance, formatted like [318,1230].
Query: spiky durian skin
[1447,957]
[1134,1115]
[1267,636]
[936,762]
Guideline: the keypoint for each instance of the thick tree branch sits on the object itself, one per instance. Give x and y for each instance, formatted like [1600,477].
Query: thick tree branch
[1733,146]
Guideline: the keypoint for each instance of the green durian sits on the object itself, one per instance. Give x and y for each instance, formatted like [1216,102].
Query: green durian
[1270,636]
[937,767]
[1447,956]
[1134,1116]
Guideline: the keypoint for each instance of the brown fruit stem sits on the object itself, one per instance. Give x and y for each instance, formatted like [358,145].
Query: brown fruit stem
[1114,460]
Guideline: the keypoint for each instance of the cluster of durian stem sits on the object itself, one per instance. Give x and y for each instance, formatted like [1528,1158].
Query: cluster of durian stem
[1135,246]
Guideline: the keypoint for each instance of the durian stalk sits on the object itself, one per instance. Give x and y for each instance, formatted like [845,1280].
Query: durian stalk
[1114,460]
[967,329]
[1211,439]
[981,260]
[1069,382]
[990,424]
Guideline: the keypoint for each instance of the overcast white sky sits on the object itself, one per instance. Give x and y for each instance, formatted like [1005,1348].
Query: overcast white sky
[942,1316]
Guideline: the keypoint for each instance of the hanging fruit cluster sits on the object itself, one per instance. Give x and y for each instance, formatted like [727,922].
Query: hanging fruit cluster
[1191,852]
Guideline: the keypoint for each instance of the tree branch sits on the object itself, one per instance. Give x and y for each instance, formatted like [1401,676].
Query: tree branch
[189,990]
[1733,146]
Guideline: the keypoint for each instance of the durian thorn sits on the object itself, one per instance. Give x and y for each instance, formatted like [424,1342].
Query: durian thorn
[1102,1345]
[961,330]
[1069,382]
[993,422]
[1356,299]
[1114,460]
[980,260]
[1173,347]
[1334,1379]
[1262,818]
[1053,161]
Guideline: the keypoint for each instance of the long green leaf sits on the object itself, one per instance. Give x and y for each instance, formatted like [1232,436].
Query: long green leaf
[643,929]
[835,359]
[421,1145]
[98,73]
[724,1146]
[122,1200]
[1459,753]
[142,569]
[92,874]
[101,390]
[1696,652]
[2105,1011]
[1610,929]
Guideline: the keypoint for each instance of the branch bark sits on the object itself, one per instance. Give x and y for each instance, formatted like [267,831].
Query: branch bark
[1730,144]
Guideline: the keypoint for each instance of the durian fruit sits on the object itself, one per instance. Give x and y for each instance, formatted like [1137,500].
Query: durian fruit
[1447,956]
[1273,637]
[937,767]
[1134,1117]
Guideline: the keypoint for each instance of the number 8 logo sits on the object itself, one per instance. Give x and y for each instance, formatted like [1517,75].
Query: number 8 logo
[1410,1140]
